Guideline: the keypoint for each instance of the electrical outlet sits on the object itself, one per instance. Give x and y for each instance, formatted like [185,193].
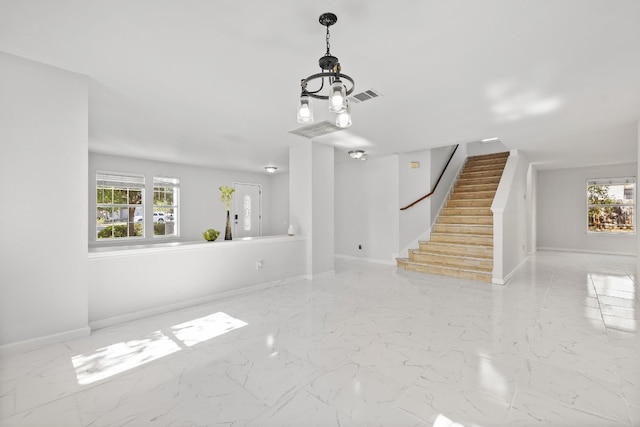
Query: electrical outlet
[258,265]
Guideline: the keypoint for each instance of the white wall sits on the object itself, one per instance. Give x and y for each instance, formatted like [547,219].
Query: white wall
[532,219]
[510,218]
[439,159]
[311,201]
[300,195]
[43,250]
[416,222]
[200,205]
[562,211]
[322,204]
[279,204]
[129,283]
[366,208]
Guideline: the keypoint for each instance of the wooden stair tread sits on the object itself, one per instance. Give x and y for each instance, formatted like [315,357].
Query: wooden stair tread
[475,257]
[464,239]
[444,244]
[472,188]
[461,216]
[453,246]
[466,211]
[440,233]
[475,203]
[470,227]
[448,248]
[485,180]
[491,155]
[407,260]
[476,195]
[466,273]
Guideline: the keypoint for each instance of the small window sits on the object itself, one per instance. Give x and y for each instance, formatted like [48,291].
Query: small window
[119,205]
[165,206]
[611,205]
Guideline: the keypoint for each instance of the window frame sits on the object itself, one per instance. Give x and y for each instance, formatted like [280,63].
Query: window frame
[173,183]
[122,181]
[617,181]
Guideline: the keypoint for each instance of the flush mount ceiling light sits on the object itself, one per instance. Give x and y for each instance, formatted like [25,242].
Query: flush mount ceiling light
[356,154]
[271,169]
[331,79]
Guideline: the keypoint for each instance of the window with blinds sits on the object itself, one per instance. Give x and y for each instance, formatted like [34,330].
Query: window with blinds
[119,205]
[611,205]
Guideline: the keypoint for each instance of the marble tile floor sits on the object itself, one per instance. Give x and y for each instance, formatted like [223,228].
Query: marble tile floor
[559,345]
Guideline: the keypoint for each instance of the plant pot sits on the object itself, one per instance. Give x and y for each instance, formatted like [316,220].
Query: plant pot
[227,230]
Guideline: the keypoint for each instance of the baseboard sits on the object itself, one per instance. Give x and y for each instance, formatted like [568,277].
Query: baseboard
[322,275]
[373,260]
[35,343]
[497,281]
[111,321]
[583,251]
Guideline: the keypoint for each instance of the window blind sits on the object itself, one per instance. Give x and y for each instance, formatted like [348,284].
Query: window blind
[111,179]
[163,181]
[611,181]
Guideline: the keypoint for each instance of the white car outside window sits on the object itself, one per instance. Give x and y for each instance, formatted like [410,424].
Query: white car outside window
[158,217]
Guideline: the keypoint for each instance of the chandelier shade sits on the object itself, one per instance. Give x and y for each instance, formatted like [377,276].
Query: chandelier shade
[337,97]
[330,83]
[343,119]
[305,110]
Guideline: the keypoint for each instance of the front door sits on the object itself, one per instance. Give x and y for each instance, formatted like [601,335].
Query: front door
[247,210]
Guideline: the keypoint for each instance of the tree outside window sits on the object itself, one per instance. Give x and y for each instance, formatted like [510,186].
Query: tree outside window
[165,206]
[611,205]
[119,206]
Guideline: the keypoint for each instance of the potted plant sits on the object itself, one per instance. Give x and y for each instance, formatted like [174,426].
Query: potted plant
[210,234]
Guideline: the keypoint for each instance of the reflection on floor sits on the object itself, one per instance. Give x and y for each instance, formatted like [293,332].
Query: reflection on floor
[558,345]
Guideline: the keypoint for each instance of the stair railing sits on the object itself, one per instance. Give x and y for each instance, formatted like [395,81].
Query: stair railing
[437,182]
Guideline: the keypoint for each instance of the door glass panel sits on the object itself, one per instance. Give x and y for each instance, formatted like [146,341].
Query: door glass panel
[247,213]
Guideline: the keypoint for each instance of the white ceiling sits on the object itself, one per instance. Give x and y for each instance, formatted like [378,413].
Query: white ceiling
[216,83]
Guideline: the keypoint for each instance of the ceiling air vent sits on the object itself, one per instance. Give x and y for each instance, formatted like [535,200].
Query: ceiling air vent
[364,96]
[316,129]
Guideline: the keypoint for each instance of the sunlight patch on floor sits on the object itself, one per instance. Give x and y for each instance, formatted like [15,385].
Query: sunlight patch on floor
[614,287]
[205,328]
[126,355]
[443,421]
[123,356]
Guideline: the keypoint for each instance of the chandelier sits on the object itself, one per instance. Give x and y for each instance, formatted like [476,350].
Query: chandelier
[330,81]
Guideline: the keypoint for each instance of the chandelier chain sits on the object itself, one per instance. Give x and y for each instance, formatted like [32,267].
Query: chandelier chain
[328,44]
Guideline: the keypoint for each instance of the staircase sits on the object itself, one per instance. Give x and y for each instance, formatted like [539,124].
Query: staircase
[461,242]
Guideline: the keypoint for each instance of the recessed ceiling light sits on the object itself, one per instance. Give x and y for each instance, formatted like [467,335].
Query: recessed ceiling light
[270,169]
[488,140]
